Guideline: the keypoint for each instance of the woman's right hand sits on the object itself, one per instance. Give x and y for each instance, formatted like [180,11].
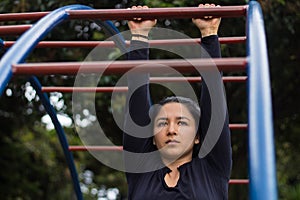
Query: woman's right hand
[208,25]
[139,26]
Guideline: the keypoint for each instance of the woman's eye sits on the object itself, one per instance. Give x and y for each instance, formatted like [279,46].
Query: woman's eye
[182,123]
[161,124]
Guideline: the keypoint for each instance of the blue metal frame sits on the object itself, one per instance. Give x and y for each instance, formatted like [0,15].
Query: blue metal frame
[60,132]
[263,184]
[21,49]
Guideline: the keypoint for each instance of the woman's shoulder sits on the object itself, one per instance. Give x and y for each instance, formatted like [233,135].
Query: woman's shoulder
[197,166]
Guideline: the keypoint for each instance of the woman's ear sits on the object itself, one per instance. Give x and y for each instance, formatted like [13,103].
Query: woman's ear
[197,140]
[153,141]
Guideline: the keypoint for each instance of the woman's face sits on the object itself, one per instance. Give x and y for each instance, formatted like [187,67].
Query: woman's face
[175,132]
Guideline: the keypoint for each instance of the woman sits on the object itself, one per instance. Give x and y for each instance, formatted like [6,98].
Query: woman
[175,130]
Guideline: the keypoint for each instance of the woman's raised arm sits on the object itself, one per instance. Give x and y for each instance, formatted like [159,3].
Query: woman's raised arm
[220,155]
[138,98]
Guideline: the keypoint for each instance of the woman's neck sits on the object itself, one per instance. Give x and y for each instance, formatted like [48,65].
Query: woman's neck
[177,163]
[171,179]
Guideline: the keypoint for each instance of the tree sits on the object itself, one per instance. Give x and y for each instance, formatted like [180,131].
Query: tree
[282,25]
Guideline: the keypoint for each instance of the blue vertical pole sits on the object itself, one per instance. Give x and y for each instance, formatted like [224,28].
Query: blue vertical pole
[61,134]
[263,184]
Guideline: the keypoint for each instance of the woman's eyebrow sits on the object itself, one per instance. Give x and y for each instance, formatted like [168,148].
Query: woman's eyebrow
[162,119]
[177,118]
[183,117]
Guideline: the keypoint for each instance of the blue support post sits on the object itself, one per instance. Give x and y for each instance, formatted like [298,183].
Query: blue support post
[61,134]
[263,184]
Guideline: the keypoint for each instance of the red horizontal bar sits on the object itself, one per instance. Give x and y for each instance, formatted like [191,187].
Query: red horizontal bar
[120,148]
[238,181]
[197,79]
[124,89]
[72,44]
[84,89]
[109,67]
[14,29]
[92,44]
[155,13]
[22,16]
[238,126]
[95,148]
[98,148]
[222,40]
[115,14]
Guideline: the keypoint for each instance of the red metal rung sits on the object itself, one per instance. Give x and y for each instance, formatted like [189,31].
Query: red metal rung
[153,13]
[238,126]
[84,89]
[238,181]
[124,89]
[14,29]
[95,148]
[113,14]
[111,44]
[109,67]
[22,16]
[196,79]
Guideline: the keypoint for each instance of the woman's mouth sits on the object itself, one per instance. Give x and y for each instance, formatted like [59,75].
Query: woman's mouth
[172,142]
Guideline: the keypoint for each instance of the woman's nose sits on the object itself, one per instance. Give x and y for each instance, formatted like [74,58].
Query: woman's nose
[172,129]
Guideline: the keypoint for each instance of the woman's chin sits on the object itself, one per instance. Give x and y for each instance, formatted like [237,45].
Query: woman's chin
[171,156]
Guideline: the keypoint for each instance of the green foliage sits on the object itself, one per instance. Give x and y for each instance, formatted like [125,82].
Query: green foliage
[291,193]
[32,166]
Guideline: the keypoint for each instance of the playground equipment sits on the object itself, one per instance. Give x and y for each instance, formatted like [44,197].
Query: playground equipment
[262,175]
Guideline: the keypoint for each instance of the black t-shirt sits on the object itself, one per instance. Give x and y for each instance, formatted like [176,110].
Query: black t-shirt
[202,178]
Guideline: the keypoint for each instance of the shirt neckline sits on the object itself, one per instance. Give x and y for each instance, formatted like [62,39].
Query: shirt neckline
[166,170]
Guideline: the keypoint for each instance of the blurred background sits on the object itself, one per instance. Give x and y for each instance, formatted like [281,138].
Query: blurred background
[31,159]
